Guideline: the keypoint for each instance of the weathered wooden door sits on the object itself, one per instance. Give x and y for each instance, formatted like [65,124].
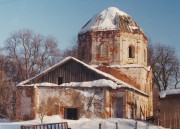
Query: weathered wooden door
[117,107]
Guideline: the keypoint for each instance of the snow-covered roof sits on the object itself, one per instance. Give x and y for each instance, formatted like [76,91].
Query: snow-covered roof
[163,94]
[95,83]
[108,19]
[41,84]
[110,77]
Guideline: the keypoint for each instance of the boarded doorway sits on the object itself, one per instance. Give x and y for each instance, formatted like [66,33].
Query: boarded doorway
[71,113]
[117,107]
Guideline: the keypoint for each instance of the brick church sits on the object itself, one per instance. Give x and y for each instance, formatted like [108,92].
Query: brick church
[110,78]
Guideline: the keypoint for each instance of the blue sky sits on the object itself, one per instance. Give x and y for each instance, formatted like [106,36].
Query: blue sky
[63,19]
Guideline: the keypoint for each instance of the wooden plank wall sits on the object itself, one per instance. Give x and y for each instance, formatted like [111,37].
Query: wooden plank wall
[71,71]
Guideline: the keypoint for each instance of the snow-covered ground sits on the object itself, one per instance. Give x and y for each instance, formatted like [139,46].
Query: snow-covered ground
[82,123]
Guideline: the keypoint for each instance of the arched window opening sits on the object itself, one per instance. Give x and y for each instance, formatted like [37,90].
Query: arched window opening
[131,52]
[104,50]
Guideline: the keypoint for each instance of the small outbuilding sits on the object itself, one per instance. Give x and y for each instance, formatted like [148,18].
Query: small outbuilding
[167,108]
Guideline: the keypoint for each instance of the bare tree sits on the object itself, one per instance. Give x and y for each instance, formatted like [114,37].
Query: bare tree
[165,66]
[42,111]
[28,53]
[177,74]
[6,95]
[3,112]
[71,51]
[25,54]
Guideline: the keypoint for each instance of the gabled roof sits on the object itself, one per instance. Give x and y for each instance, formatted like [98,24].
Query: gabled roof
[165,93]
[119,75]
[119,82]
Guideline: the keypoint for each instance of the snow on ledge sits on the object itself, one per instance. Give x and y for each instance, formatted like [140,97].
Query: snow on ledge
[95,83]
[163,94]
[40,84]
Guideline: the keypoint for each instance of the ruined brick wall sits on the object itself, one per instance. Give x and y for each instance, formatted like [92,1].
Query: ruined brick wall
[140,75]
[99,47]
[112,47]
[25,103]
[137,106]
[143,78]
[90,102]
[114,71]
[134,105]
[139,42]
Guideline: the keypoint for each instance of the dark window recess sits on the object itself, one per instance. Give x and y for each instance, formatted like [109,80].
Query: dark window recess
[71,113]
[60,80]
[131,52]
[42,79]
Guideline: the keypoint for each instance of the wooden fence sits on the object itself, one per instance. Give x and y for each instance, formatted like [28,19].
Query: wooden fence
[62,125]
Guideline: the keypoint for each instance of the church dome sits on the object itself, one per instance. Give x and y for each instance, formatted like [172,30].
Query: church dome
[111,19]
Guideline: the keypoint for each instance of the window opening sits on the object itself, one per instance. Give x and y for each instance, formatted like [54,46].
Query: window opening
[71,113]
[104,50]
[60,80]
[131,52]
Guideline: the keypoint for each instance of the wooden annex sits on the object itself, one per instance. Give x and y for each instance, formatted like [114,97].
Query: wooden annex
[167,108]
